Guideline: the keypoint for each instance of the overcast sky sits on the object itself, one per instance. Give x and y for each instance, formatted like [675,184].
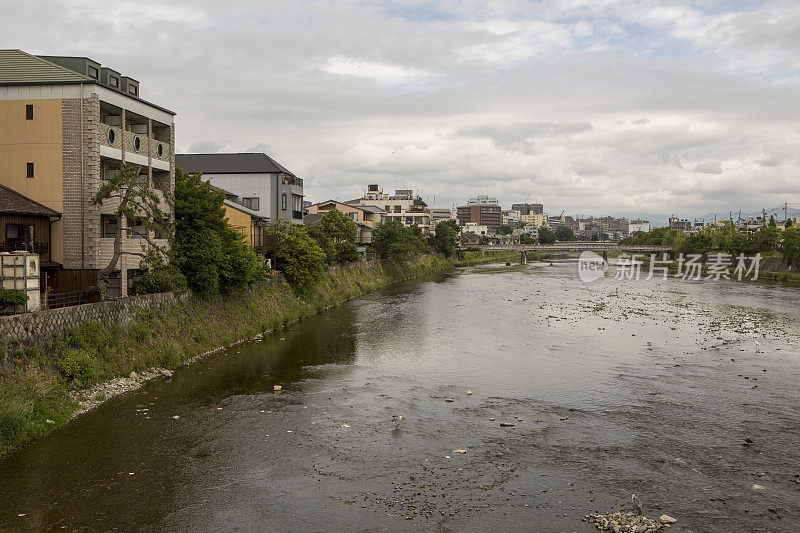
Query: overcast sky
[589,106]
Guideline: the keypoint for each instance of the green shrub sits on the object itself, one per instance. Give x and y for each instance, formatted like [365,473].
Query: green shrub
[12,428]
[79,365]
[170,357]
[12,297]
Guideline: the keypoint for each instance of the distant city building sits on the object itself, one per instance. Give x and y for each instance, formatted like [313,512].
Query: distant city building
[528,209]
[679,223]
[481,210]
[638,225]
[510,217]
[532,230]
[402,206]
[262,184]
[477,229]
[539,219]
[439,214]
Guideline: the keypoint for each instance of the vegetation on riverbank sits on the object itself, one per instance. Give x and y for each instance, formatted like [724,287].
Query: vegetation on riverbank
[474,258]
[34,395]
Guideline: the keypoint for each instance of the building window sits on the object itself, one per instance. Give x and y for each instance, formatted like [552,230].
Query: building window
[109,226]
[29,112]
[284,205]
[132,89]
[134,275]
[114,286]
[136,229]
[93,73]
[30,170]
[20,236]
[251,203]
[353,216]
[114,82]
[108,173]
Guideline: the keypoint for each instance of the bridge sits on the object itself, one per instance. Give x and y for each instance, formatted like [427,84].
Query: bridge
[576,246]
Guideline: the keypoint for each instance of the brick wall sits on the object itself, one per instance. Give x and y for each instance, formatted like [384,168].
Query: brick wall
[39,328]
[81,171]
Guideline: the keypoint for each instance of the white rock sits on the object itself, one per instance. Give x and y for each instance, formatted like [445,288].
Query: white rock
[469,393]
[277,387]
[133,375]
[667,519]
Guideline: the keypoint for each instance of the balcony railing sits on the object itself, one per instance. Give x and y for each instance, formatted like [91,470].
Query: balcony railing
[34,247]
[136,143]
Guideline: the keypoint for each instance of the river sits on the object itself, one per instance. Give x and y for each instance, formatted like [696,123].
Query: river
[614,387]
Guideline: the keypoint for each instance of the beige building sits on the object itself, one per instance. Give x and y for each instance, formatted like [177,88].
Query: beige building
[537,219]
[67,124]
[365,216]
[402,206]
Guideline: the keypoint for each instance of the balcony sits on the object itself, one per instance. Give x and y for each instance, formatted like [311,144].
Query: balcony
[135,143]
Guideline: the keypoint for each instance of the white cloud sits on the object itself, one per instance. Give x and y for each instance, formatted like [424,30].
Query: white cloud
[589,106]
[380,72]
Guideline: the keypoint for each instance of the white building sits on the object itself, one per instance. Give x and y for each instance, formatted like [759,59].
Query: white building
[471,227]
[638,225]
[262,184]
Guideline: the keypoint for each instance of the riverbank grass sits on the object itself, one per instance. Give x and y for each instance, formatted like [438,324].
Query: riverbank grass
[35,393]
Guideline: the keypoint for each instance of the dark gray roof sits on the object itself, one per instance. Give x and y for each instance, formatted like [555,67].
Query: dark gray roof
[312,219]
[248,163]
[371,208]
[14,203]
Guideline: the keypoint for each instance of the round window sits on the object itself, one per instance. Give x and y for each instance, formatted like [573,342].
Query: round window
[137,143]
[112,136]
[160,150]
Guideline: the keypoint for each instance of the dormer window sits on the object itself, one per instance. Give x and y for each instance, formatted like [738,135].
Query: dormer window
[93,72]
[114,82]
[132,89]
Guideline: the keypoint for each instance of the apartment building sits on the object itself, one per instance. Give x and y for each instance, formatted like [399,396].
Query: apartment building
[403,206]
[66,125]
[262,184]
[527,209]
[638,225]
[481,210]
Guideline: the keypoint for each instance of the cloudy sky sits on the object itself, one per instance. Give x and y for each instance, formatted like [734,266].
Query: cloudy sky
[589,106]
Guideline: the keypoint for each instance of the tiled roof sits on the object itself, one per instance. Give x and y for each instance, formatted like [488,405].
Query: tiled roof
[17,66]
[14,203]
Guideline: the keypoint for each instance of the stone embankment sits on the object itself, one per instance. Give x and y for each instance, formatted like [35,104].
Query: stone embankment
[88,399]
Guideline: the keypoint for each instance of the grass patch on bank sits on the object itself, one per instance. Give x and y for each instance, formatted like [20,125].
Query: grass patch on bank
[474,258]
[34,395]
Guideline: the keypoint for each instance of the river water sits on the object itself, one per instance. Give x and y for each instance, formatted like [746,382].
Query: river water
[614,388]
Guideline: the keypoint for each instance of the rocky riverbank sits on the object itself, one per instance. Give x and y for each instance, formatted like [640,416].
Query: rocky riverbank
[88,399]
